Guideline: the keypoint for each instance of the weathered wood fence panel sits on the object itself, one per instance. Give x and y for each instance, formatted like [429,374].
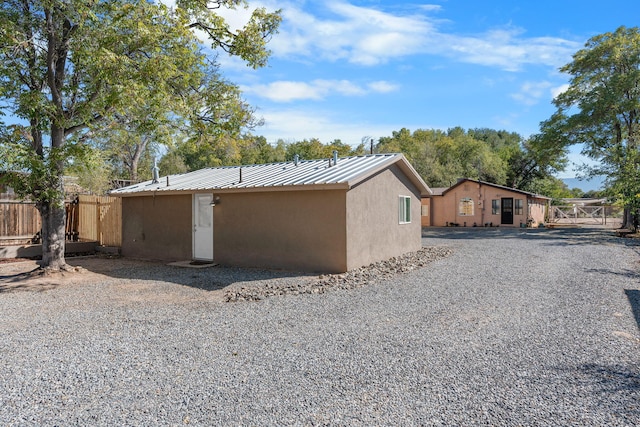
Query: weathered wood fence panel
[19,220]
[88,218]
[100,219]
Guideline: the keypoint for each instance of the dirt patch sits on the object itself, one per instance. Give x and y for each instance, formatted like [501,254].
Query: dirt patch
[125,280]
[26,275]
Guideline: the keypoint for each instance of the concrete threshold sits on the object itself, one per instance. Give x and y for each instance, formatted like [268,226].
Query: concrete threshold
[193,264]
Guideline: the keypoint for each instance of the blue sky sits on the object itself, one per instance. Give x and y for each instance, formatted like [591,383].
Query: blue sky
[349,69]
[346,69]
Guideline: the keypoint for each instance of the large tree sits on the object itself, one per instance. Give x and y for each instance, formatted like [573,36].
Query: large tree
[537,159]
[601,110]
[527,161]
[68,66]
[442,157]
[204,120]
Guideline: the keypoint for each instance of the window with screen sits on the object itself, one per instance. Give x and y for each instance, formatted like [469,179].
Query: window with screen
[495,207]
[519,207]
[466,207]
[404,209]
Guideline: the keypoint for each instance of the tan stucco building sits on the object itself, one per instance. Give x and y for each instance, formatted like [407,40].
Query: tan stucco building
[471,203]
[328,215]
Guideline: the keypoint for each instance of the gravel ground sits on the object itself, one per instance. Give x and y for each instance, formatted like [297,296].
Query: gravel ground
[515,327]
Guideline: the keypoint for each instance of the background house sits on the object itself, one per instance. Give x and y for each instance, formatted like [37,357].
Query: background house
[477,203]
[328,215]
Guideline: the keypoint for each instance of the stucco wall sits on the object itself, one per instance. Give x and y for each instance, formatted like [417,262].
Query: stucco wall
[426,211]
[537,210]
[312,230]
[292,230]
[373,228]
[157,227]
[445,208]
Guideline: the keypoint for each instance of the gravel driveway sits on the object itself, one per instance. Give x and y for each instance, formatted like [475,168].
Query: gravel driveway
[516,327]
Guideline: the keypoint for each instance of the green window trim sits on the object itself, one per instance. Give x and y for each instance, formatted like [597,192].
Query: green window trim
[404,210]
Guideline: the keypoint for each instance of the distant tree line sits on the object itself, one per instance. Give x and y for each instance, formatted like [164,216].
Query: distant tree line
[440,157]
[496,156]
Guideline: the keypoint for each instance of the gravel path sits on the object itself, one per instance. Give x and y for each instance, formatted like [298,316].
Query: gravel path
[515,327]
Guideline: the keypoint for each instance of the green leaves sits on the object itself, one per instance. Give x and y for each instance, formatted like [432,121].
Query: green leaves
[248,43]
[35,176]
[102,69]
[443,157]
[601,109]
[70,68]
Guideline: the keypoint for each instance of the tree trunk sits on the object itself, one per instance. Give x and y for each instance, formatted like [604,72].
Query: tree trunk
[135,159]
[628,219]
[53,234]
[52,211]
[133,169]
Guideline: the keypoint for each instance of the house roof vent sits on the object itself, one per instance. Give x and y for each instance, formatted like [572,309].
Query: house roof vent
[155,171]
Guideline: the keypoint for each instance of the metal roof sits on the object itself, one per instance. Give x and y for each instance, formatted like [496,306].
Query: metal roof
[306,174]
[437,191]
[460,181]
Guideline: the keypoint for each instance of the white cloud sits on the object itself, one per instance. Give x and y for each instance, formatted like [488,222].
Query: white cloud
[295,125]
[368,36]
[383,86]
[559,90]
[288,91]
[347,32]
[532,93]
[507,49]
[431,7]
[340,31]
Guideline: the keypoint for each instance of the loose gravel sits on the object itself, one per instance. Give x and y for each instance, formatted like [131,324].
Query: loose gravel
[350,280]
[514,327]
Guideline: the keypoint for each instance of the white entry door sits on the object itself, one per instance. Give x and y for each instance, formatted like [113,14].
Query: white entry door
[203,227]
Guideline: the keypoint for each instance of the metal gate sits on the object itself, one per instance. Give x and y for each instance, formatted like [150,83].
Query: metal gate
[595,215]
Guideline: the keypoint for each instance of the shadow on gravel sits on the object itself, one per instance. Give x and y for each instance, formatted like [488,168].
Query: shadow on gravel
[618,385]
[17,277]
[555,236]
[630,274]
[634,299]
[20,282]
[211,278]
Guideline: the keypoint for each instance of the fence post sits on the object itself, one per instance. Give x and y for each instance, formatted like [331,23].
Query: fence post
[98,228]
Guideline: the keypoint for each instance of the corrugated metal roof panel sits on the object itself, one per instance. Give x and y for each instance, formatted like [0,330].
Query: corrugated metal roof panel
[515,190]
[273,175]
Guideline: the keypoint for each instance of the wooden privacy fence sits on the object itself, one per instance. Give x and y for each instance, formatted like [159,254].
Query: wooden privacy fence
[100,219]
[89,218]
[18,220]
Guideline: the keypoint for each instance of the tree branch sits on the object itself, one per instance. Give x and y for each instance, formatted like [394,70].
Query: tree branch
[85,125]
[51,60]
[211,33]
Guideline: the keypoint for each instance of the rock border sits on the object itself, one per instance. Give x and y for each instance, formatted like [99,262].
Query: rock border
[350,280]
